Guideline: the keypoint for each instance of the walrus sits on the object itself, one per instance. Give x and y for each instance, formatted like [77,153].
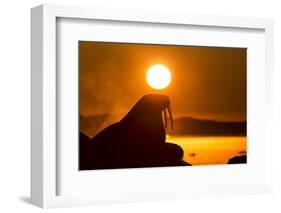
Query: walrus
[137,140]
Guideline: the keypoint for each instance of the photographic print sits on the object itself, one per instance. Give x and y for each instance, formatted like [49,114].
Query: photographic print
[151,105]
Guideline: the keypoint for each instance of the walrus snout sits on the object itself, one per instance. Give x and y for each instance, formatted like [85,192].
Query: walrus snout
[159,102]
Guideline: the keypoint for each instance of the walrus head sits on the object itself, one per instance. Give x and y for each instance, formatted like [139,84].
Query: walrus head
[149,106]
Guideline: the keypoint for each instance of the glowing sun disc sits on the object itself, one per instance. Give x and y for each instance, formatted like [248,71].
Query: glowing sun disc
[158,76]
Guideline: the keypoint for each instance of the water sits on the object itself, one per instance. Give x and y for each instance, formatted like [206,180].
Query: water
[209,150]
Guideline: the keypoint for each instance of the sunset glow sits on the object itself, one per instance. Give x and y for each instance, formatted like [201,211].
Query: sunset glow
[128,93]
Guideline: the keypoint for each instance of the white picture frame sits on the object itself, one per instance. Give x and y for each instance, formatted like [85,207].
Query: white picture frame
[44,150]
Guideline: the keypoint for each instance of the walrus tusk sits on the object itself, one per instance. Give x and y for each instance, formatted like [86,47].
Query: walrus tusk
[171,117]
[165,118]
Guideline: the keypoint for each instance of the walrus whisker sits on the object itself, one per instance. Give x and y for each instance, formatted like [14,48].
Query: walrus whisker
[165,118]
[171,117]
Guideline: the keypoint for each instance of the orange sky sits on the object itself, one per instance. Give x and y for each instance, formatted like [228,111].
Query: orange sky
[207,82]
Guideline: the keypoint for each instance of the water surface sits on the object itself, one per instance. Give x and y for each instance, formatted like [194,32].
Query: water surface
[200,150]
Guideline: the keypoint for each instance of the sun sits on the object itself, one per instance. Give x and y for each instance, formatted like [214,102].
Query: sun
[158,76]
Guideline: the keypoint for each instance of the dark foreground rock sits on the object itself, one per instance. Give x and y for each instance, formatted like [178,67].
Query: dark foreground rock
[83,137]
[238,159]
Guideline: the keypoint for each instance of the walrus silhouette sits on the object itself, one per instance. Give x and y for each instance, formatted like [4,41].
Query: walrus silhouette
[137,140]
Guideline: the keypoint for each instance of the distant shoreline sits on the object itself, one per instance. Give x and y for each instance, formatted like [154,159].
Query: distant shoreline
[190,126]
